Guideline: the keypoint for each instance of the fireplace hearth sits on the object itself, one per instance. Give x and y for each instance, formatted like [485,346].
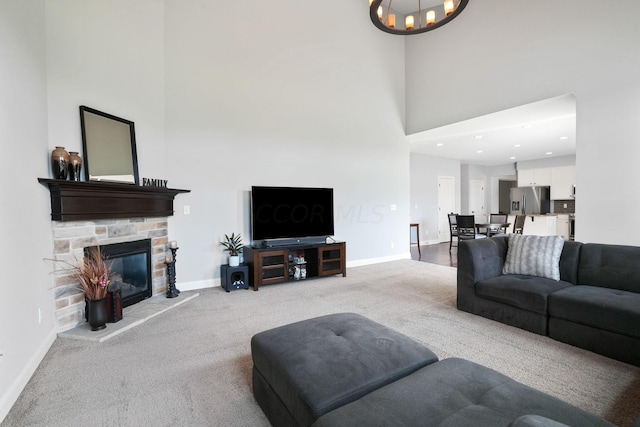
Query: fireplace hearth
[130,269]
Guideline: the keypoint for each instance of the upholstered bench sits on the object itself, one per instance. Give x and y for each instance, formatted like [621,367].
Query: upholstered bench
[306,369]
[458,393]
[346,370]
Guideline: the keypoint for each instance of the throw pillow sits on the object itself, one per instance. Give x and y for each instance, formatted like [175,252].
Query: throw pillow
[534,256]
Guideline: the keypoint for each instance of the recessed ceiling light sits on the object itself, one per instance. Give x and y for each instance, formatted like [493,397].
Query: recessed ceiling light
[479,151]
[439,144]
[548,152]
[564,137]
[478,137]
[527,126]
[512,158]
[517,145]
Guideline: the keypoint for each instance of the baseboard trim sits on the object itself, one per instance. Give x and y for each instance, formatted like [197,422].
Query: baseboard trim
[198,284]
[11,396]
[370,261]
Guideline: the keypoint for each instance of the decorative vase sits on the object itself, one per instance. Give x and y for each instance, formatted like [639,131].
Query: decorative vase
[59,163]
[75,166]
[97,313]
[234,261]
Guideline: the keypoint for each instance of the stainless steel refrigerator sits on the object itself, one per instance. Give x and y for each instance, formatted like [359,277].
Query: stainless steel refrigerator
[530,200]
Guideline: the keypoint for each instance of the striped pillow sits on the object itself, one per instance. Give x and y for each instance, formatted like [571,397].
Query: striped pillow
[534,256]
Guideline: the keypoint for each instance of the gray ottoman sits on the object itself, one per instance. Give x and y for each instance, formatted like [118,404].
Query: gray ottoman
[458,393]
[306,369]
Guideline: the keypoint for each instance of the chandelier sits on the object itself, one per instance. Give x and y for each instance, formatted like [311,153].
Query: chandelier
[388,17]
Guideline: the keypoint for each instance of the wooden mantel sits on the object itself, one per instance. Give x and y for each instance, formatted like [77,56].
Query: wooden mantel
[82,200]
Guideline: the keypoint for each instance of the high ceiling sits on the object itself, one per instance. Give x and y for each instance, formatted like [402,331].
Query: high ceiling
[542,129]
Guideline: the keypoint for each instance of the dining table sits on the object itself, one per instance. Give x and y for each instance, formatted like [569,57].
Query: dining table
[492,228]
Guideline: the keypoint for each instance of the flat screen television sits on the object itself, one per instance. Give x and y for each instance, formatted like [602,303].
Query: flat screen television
[295,214]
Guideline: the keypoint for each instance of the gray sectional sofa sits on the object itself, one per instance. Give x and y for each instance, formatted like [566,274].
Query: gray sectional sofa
[346,370]
[595,305]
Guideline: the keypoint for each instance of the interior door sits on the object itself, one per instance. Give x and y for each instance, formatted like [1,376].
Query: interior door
[476,201]
[446,204]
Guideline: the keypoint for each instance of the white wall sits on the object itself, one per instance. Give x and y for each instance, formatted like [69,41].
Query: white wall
[498,55]
[108,55]
[26,283]
[243,94]
[425,171]
[288,95]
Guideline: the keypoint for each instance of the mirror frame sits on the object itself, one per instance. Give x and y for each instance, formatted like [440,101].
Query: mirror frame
[87,141]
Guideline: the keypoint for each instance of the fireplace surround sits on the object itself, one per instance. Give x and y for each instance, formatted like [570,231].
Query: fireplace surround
[70,238]
[86,214]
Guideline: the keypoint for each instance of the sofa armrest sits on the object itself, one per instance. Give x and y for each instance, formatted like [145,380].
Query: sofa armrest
[478,260]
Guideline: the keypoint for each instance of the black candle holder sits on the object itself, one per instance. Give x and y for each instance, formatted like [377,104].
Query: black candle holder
[172,291]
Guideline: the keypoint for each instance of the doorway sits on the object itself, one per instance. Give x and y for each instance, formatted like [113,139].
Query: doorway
[476,200]
[446,205]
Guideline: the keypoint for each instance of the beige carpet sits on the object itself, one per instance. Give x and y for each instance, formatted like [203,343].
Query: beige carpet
[191,366]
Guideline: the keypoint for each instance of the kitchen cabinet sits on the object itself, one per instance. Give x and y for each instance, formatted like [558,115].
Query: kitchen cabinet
[562,226]
[534,177]
[536,225]
[562,182]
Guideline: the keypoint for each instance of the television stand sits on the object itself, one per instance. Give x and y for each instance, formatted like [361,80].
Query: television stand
[278,264]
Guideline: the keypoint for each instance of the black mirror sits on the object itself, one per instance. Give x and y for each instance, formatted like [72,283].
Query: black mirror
[109,145]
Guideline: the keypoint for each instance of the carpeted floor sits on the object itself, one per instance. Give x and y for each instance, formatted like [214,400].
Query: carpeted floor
[191,366]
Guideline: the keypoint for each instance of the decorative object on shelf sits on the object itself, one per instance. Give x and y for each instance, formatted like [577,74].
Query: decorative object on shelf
[109,146]
[233,245]
[383,14]
[170,261]
[152,182]
[75,166]
[59,163]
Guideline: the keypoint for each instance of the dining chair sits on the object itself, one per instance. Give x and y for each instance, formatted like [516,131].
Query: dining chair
[518,224]
[467,228]
[497,230]
[453,228]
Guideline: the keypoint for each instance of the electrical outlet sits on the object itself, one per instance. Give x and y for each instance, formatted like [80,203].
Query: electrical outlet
[394,207]
[393,245]
[564,206]
[39,316]
[187,210]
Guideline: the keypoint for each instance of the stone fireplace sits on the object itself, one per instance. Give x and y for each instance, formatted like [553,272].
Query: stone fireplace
[115,237]
[87,214]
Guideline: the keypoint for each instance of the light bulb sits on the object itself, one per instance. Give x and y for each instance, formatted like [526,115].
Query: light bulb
[448,7]
[391,20]
[409,22]
[431,17]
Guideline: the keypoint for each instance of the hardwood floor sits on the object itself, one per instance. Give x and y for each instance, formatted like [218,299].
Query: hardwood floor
[436,254]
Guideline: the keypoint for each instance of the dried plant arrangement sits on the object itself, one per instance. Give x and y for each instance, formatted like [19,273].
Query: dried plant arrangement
[93,273]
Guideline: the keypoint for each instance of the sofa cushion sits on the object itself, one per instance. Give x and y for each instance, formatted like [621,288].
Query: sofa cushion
[455,393]
[525,292]
[610,266]
[534,256]
[605,308]
[319,364]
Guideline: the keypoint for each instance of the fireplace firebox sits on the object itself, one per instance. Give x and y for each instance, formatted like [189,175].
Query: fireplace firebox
[130,269]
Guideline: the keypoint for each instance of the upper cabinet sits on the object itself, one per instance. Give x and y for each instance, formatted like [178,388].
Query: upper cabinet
[534,177]
[562,182]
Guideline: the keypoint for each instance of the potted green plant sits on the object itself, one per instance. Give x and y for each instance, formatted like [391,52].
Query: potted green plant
[233,245]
